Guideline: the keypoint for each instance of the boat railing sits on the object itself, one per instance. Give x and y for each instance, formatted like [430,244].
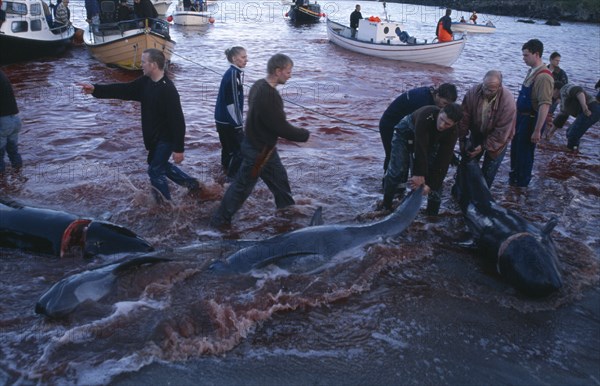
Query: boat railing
[63,30]
[157,26]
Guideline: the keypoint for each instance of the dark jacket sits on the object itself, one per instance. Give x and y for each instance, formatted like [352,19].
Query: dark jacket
[144,9]
[8,103]
[266,120]
[230,101]
[405,104]
[162,116]
[427,138]
[354,18]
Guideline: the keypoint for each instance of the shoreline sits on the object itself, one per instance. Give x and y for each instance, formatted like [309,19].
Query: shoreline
[554,10]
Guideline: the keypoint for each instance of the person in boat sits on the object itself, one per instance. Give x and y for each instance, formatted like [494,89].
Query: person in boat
[533,104]
[10,125]
[48,14]
[92,11]
[488,124]
[407,103]
[124,12]
[2,14]
[229,110]
[473,17]
[444,28]
[163,123]
[355,16]
[462,19]
[575,102]
[427,136]
[62,13]
[144,9]
[489,23]
[265,123]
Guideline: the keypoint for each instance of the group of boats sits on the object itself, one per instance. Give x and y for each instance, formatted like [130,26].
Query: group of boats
[28,31]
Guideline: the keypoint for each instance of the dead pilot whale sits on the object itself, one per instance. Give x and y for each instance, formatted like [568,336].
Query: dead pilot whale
[319,244]
[524,255]
[60,233]
[67,294]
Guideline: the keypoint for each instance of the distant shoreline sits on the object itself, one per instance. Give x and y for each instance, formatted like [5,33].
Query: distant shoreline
[555,10]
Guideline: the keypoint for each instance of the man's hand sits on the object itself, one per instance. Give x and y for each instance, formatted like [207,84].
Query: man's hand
[473,153]
[87,88]
[177,157]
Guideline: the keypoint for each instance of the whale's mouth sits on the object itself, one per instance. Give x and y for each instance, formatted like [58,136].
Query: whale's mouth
[73,238]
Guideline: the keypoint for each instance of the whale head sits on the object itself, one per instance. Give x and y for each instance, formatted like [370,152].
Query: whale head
[530,265]
[103,238]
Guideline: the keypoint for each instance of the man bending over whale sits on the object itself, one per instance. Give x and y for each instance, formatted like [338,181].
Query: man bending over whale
[423,143]
[163,123]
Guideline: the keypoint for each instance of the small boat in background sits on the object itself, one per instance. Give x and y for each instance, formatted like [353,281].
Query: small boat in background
[161,6]
[487,28]
[121,43]
[28,32]
[188,13]
[303,11]
[387,40]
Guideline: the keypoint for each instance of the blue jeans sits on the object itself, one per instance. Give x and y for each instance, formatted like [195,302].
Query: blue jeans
[273,173]
[10,125]
[490,166]
[582,124]
[159,169]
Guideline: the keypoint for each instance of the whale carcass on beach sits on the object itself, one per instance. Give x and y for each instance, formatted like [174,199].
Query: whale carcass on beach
[59,233]
[524,254]
[317,245]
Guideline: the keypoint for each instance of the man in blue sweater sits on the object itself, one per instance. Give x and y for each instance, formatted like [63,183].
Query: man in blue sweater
[163,123]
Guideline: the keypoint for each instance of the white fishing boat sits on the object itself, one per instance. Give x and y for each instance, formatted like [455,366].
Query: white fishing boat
[194,13]
[161,6]
[28,32]
[473,28]
[387,40]
[121,43]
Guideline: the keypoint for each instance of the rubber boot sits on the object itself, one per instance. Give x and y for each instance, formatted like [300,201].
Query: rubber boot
[433,204]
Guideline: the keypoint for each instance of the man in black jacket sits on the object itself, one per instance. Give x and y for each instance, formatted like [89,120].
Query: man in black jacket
[163,123]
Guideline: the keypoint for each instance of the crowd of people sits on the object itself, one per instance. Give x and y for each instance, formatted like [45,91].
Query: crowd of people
[419,129]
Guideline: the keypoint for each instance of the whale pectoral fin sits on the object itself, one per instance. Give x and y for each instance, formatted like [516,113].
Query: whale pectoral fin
[549,226]
[317,218]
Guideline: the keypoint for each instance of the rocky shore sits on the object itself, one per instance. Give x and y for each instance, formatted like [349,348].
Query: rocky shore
[554,10]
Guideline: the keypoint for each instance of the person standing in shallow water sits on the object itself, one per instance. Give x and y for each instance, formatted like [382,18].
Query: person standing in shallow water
[163,123]
[533,105]
[265,123]
[10,125]
[229,110]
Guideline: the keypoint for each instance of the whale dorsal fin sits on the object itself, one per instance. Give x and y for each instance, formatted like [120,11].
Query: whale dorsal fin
[317,218]
[549,226]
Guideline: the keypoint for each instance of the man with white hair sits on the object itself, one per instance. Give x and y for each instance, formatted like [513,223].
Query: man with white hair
[488,124]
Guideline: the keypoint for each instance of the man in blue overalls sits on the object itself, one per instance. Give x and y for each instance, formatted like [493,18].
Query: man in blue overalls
[533,104]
